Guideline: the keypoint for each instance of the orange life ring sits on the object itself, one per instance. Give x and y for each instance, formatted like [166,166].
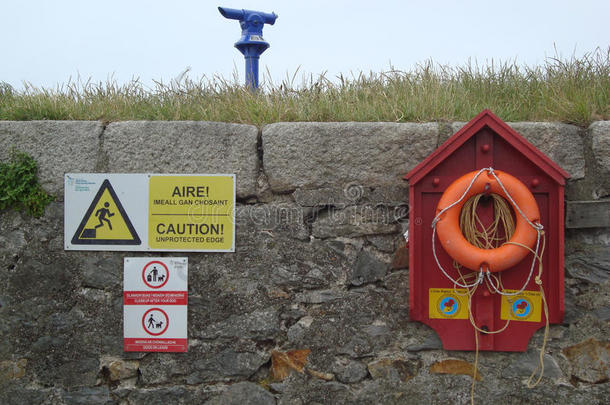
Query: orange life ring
[470,256]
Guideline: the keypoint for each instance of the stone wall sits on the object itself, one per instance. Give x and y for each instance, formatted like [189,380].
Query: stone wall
[318,265]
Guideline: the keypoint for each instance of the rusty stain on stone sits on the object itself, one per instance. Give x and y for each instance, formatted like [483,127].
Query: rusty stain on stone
[401,258]
[119,370]
[12,369]
[283,363]
[278,293]
[455,366]
[589,360]
[321,375]
[385,368]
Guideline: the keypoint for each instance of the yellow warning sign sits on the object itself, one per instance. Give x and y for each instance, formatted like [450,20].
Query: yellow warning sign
[191,212]
[447,303]
[526,306]
[105,222]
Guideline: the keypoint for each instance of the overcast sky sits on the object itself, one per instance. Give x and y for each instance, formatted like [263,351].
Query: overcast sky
[47,42]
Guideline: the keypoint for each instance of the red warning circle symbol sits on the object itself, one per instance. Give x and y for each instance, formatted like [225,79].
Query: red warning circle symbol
[155,274]
[155,321]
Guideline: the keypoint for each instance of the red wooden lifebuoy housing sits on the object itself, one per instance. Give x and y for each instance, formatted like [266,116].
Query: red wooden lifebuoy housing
[439,285]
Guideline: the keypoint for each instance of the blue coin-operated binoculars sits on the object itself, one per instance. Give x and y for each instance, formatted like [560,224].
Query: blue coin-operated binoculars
[251,44]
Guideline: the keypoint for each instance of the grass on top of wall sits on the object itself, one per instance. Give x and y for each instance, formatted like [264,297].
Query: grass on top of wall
[574,90]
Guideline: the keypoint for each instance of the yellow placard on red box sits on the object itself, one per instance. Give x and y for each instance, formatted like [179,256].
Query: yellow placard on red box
[526,307]
[447,303]
[192,212]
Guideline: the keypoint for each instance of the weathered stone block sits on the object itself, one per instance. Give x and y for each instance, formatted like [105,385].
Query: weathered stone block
[227,364]
[12,241]
[393,369]
[357,323]
[600,144]
[349,371]
[184,147]
[318,296]
[367,269]
[431,342]
[455,367]
[163,396]
[526,363]
[14,394]
[562,143]
[275,219]
[302,389]
[119,369]
[353,193]
[57,146]
[94,277]
[386,243]
[12,369]
[590,360]
[243,393]
[603,313]
[78,372]
[355,221]
[592,267]
[160,368]
[312,155]
[88,396]
[255,325]
[401,258]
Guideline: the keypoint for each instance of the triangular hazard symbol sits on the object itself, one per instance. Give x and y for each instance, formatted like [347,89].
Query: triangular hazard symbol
[106,222]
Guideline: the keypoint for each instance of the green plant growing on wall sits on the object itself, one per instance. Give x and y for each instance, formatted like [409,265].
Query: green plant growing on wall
[19,187]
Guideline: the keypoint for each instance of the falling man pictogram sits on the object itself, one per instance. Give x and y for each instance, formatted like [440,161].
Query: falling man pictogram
[101,214]
[105,222]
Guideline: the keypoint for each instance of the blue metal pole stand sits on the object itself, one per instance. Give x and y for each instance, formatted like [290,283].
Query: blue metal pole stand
[252,71]
[251,44]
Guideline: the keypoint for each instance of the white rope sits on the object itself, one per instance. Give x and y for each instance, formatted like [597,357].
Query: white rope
[480,279]
[533,225]
[538,227]
[528,277]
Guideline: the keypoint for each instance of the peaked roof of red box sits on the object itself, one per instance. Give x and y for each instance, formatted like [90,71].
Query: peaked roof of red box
[487,119]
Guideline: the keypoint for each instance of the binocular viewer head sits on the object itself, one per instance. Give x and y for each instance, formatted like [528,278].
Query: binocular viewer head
[250,16]
[251,44]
